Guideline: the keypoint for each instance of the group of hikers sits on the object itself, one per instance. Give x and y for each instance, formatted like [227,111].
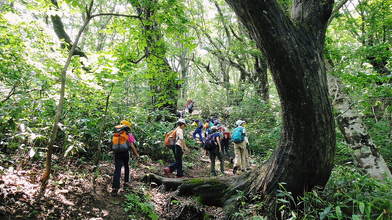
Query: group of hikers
[214,137]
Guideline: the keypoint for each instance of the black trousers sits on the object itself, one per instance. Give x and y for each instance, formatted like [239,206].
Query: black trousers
[120,160]
[177,151]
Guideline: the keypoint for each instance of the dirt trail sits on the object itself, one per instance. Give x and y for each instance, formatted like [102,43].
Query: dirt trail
[71,193]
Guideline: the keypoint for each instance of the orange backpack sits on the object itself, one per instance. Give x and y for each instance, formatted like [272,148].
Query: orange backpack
[170,138]
[120,139]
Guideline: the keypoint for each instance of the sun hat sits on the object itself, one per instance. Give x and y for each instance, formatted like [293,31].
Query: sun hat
[126,123]
[182,121]
[239,122]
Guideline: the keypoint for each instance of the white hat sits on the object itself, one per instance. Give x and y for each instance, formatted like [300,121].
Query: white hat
[181,120]
[214,128]
[239,122]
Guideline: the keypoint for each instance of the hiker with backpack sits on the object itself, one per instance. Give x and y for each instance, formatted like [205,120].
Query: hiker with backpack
[213,146]
[189,106]
[122,141]
[198,131]
[241,153]
[176,141]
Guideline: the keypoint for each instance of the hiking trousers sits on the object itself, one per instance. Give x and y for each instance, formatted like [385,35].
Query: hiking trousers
[198,131]
[177,151]
[213,154]
[241,155]
[120,160]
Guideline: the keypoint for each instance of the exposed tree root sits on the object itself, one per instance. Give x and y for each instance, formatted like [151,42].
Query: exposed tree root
[213,191]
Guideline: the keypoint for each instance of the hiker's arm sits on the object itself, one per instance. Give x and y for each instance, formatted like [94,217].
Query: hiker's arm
[134,150]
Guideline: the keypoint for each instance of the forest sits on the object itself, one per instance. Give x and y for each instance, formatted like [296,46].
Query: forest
[221,109]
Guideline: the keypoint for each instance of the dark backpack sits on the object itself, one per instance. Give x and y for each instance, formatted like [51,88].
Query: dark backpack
[210,142]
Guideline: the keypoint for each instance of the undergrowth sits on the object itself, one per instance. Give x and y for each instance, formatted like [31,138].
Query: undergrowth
[138,207]
[349,194]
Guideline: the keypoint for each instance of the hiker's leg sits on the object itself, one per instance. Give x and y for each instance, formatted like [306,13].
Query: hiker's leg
[179,154]
[117,171]
[246,157]
[222,163]
[243,155]
[173,166]
[194,134]
[237,156]
[212,160]
[126,166]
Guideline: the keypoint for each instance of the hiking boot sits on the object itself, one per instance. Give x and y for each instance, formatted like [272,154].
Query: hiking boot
[213,173]
[114,192]
[167,171]
[235,170]
[180,176]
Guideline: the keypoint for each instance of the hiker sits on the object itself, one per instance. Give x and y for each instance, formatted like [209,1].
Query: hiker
[213,145]
[207,129]
[241,153]
[225,142]
[198,131]
[189,106]
[178,149]
[123,140]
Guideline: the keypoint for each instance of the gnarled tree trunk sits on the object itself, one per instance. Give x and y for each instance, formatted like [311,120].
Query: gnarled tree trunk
[294,50]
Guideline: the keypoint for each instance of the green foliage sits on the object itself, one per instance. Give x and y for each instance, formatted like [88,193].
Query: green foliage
[348,195]
[380,133]
[263,127]
[139,207]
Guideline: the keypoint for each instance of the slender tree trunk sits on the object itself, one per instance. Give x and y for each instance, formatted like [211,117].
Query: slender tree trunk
[260,78]
[59,111]
[355,132]
[59,108]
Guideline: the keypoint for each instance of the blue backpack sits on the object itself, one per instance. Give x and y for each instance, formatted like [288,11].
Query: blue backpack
[238,135]
[210,142]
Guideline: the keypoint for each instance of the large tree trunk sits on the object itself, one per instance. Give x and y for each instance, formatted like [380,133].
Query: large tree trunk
[164,82]
[294,50]
[355,132]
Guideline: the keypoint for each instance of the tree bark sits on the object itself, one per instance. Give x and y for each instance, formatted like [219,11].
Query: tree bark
[355,132]
[294,50]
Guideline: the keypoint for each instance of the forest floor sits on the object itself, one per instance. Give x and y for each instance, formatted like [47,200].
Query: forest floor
[72,193]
